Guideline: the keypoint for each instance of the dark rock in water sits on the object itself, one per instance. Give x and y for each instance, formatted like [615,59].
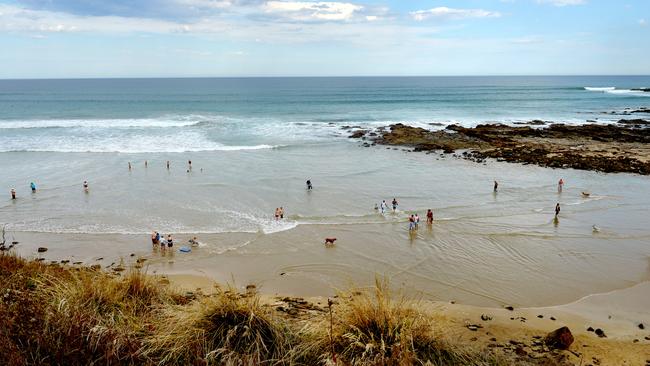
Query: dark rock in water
[552,318]
[520,351]
[42,249]
[132,255]
[590,329]
[600,333]
[65,261]
[560,338]
[634,122]
[540,316]
[535,122]
[95,267]
[485,317]
[641,326]
[509,308]
[14,242]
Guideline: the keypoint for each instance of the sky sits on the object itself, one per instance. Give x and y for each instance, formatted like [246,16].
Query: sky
[205,38]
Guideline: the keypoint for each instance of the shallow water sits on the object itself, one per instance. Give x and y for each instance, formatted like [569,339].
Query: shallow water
[484,248]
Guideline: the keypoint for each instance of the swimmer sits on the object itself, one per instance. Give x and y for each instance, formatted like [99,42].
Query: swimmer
[411,223]
[194,242]
[429,217]
[376,207]
[13,194]
[560,185]
[146,164]
[586,194]
[154,240]
[277,213]
[384,206]
[86,186]
[189,165]
[395,204]
[595,229]
[33,186]
[167,164]
[281,212]
[496,186]
[557,209]
[417,221]
[129,166]
[309,186]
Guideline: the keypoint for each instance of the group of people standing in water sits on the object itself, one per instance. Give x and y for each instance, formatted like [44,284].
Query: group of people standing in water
[32,186]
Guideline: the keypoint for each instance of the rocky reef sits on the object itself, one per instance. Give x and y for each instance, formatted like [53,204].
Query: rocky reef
[613,148]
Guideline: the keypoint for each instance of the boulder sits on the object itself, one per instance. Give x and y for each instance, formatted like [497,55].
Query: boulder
[42,249]
[560,338]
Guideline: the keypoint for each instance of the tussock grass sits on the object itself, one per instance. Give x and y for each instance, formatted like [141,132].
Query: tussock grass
[228,328]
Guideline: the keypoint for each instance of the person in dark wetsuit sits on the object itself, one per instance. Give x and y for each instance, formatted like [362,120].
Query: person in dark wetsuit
[167,164]
[309,186]
[496,186]
[13,194]
[557,209]
[189,165]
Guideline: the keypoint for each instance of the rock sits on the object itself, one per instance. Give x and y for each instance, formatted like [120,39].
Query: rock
[358,134]
[641,326]
[552,318]
[520,351]
[485,317]
[540,316]
[560,338]
[474,327]
[509,308]
[65,261]
[14,242]
[95,267]
[42,249]
[590,329]
[600,333]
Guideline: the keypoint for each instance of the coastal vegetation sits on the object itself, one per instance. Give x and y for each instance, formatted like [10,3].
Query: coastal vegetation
[52,314]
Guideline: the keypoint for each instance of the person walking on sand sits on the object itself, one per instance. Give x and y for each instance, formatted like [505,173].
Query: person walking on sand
[560,184]
[496,186]
[32,185]
[384,206]
[557,209]
[309,186]
[85,186]
[429,217]
[395,204]
[13,193]
[417,221]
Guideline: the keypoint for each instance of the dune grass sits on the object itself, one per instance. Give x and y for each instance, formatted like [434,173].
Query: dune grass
[53,315]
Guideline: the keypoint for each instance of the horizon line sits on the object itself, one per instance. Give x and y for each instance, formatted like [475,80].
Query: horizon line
[316,76]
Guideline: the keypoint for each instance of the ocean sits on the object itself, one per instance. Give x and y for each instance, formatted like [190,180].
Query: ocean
[253,143]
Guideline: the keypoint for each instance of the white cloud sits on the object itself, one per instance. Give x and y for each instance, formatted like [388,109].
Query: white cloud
[642,22]
[325,10]
[562,2]
[450,13]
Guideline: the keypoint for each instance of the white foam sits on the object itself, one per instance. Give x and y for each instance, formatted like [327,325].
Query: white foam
[636,93]
[101,123]
[599,88]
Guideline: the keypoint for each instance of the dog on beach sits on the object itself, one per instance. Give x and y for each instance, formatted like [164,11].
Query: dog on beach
[329,242]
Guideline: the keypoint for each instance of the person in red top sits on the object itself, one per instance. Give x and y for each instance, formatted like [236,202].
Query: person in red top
[429,217]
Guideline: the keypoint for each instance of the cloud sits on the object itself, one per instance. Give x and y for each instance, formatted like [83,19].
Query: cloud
[154,9]
[298,10]
[450,13]
[642,22]
[563,2]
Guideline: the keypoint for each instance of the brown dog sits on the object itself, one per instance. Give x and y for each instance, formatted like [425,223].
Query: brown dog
[329,241]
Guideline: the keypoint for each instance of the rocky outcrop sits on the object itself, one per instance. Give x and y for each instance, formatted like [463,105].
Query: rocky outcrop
[624,147]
